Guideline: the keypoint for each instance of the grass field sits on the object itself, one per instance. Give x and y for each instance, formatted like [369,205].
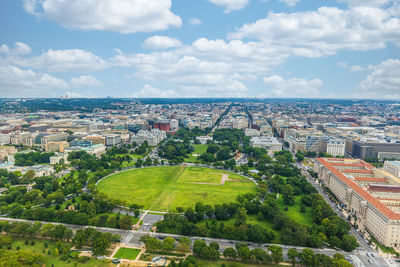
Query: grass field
[165,188]
[294,213]
[127,253]
[198,149]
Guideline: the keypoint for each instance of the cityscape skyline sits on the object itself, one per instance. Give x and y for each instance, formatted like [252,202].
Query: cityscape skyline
[216,48]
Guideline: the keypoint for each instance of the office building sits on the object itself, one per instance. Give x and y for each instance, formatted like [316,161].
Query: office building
[336,147]
[392,167]
[370,194]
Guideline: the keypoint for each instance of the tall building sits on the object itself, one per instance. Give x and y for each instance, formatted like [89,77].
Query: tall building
[370,194]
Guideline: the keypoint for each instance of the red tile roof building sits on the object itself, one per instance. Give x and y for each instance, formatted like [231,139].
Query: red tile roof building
[372,195]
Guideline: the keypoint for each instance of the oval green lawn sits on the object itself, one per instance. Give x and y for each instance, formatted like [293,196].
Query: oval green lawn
[165,188]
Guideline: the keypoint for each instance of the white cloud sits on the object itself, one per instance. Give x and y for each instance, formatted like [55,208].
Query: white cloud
[18,49]
[207,67]
[75,60]
[195,21]
[289,2]
[355,68]
[375,3]
[295,87]
[383,82]
[127,16]
[149,91]
[230,5]
[161,42]
[85,80]
[325,31]
[17,82]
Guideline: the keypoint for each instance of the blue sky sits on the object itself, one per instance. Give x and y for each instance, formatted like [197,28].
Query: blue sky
[200,48]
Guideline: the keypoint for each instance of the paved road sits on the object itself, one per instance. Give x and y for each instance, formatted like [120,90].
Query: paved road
[132,237]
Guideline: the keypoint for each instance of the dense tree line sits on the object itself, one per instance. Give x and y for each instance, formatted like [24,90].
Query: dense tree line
[175,151]
[32,158]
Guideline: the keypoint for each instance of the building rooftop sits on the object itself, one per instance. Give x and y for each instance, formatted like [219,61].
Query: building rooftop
[355,187]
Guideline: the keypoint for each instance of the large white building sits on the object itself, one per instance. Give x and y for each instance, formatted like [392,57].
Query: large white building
[113,139]
[153,137]
[251,132]
[269,143]
[370,194]
[336,147]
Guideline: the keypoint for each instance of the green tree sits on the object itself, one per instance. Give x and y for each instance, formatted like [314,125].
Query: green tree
[125,222]
[244,253]
[276,253]
[214,245]
[100,245]
[230,253]
[198,245]
[349,243]
[168,244]
[292,255]
[241,216]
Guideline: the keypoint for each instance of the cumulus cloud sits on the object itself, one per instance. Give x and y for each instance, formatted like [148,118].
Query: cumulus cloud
[74,60]
[149,91]
[17,82]
[230,5]
[355,68]
[128,16]
[85,80]
[294,87]
[383,82]
[325,31]
[195,21]
[289,2]
[161,42]
[206,67]
[18,49]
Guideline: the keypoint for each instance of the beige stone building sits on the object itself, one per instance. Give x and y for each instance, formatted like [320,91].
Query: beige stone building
[57,146]
[7,150]
[372,195]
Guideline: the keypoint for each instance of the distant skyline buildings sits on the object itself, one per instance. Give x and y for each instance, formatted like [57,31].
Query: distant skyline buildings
[204,48]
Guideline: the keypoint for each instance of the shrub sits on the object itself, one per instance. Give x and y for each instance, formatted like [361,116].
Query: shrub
[64,257]
[46,245]
[302,209]
[9,247]
[32,243]
[83,259]
[26,242]
[17,248]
